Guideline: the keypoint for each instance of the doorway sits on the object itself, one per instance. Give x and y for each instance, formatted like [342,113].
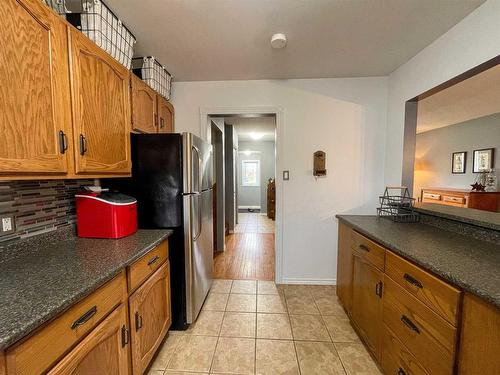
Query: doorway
[250,172]
[218,188]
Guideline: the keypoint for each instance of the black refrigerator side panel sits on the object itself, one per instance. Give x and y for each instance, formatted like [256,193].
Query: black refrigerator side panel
[157,175]
[177,280]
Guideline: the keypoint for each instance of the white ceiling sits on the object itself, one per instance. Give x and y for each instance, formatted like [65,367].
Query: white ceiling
[230,39]
[475,97]
[246,126]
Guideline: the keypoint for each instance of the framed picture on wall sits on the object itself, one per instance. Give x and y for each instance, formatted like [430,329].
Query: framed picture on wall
[482,160]
[458,160]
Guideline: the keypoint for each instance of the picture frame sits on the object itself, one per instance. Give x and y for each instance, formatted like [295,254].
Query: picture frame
[458,162]
[482,160]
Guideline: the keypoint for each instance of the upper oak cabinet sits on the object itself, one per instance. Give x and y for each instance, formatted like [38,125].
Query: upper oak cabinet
[101,109]
[35,122]
[144,106]
[165,116]
[151,113]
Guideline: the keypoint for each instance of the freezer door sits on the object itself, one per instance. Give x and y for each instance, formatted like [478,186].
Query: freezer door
[197,164]
[199,250]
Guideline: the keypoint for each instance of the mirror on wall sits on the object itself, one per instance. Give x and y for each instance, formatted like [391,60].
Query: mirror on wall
[457,143]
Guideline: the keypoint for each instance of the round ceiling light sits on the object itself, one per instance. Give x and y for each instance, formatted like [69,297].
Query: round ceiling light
[278,41]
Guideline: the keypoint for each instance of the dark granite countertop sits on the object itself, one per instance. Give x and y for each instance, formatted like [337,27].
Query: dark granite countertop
[42,276]
[468,263]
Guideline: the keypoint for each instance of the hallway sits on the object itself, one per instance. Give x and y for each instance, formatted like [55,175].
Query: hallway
[249,251]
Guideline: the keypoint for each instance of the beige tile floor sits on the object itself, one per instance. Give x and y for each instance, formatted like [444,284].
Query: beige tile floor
[256,327]
[254,222]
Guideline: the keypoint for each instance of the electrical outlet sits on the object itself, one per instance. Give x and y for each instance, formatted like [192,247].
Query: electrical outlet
[7,225]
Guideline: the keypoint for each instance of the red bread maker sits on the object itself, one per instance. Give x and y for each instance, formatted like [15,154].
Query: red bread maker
[105,215]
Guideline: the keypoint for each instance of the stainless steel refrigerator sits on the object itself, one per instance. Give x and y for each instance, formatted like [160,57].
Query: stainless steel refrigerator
[172,180]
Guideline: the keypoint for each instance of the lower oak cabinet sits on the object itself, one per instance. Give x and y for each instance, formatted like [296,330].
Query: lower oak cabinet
[150,315]
[413,322]
[367,302]
[115,330]
[104,351]
[480,338]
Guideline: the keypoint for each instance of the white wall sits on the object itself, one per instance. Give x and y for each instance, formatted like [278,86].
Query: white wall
[346,118]
[471,42]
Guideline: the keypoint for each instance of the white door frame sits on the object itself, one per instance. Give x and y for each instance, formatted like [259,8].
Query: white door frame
[279,113]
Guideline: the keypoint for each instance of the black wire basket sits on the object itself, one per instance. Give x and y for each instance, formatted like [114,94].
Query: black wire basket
[100,24]
[154,74]
[397,204]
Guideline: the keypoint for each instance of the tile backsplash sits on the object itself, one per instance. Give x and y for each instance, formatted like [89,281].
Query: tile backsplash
[39,206]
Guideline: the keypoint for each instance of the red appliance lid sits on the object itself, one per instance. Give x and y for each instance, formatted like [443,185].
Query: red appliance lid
[118,199]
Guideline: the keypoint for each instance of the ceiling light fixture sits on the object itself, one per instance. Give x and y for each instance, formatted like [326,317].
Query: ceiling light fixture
[278,41]
[256,136]
[247,152]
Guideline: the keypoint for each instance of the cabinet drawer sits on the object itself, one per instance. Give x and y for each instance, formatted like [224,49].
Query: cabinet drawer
[451,199]
[426,335]
[42,350]
[436,294]
[105,350]
[368,250]
[431,196]
[396,359]
[145,266]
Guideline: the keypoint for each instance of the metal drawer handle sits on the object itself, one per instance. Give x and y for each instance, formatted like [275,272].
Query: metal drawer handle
[413,281]
[401,372]
[63,142]
[153,260]
[138,321]
[364,248]
[407,322]
[83,145]
[125,336]
[84,318]
[378,289]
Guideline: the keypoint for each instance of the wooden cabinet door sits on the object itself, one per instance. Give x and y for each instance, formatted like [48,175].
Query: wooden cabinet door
[344,267]
[34,76]
[367,303]
[101,109]
[165,116]
[150,316]
[105,350]
[144,106]
[480,340]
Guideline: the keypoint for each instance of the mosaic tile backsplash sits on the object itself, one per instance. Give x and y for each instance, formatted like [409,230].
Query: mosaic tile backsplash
[39,206]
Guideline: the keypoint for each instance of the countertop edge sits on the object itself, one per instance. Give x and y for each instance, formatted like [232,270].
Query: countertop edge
[71,301]
[465,287]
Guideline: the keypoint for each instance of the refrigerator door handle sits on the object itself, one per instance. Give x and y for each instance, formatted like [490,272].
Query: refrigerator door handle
[196,183]
[195,200]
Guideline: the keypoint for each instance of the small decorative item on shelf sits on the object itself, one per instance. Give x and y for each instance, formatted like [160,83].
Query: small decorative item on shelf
[397,204]
[480,182]
[491,182]
[100,24]
[154,74]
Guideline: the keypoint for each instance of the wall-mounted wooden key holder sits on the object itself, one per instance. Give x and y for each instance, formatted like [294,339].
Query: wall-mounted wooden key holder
[319,169]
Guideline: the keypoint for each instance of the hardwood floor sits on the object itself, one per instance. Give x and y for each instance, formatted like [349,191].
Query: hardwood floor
[249,252]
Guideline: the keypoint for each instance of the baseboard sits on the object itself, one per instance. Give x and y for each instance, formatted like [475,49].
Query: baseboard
[292,280]
[248,207]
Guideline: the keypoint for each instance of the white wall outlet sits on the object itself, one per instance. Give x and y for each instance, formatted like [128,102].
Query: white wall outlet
[7,225]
